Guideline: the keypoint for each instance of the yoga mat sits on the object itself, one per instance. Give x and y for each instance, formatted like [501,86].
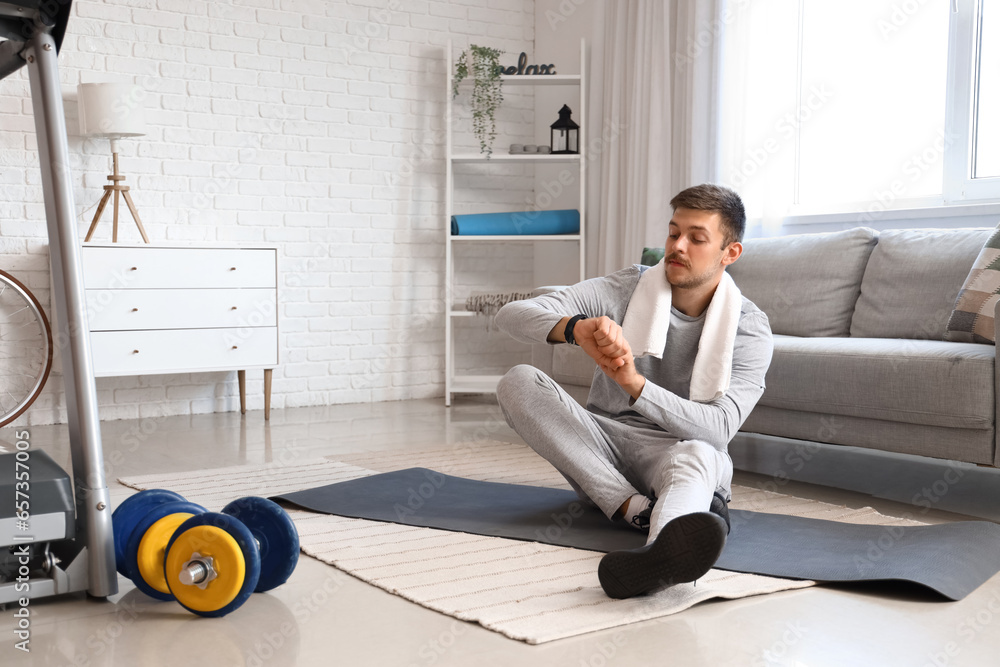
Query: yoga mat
[951,559]
[517,223]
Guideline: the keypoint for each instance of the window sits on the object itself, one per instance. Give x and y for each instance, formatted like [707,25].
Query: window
[986,160]
[860,105]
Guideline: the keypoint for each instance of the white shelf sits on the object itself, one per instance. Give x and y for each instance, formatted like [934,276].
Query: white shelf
[516,237]
[535,80]
[475,384]
[540,79]
[466,158]
[487,384]
[460,311]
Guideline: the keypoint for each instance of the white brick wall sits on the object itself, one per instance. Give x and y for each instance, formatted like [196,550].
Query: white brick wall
[315,125]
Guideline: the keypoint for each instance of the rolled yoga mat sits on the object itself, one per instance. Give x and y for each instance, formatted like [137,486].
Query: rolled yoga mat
[952,559]
[518,223]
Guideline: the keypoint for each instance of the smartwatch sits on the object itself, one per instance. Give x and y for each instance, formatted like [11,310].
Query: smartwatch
[568,334]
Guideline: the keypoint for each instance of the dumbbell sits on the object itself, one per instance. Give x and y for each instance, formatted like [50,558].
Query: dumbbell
[210,562]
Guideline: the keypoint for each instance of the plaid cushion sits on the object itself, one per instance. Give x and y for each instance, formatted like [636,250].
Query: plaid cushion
[972,319]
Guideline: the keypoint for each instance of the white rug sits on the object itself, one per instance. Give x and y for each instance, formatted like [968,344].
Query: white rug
[527,591]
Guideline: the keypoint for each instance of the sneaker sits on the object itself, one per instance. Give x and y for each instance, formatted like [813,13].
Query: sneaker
[721,507]
[684,551]
[641,520]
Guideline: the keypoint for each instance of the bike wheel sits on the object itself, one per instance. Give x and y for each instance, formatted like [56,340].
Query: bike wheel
[25,348]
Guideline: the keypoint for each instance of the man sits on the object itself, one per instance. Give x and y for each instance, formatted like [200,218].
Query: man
[651,446]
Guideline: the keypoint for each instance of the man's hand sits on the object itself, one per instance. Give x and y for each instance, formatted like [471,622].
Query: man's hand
[602,339]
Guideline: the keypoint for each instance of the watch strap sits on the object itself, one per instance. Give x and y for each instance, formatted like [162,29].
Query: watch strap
[568,333]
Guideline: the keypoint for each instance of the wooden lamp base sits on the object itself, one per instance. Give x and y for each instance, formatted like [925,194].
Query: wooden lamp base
[116,188]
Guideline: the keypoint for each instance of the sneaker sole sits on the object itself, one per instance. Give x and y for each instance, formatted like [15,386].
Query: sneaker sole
[684,551]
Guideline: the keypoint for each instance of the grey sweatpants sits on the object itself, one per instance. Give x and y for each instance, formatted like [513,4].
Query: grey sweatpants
[606,462]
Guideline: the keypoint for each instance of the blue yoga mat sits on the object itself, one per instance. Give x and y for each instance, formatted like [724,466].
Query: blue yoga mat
[516,223]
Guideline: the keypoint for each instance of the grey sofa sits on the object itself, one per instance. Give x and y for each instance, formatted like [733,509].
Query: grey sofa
[859,320]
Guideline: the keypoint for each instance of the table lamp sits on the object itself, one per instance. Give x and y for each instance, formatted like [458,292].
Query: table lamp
[112,111]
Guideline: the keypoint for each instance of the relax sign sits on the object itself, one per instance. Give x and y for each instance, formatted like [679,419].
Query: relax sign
[523,67]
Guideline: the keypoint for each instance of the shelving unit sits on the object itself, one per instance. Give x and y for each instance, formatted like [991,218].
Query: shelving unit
[479,384]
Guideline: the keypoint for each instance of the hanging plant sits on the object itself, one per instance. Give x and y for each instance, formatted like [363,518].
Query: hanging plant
[483,63]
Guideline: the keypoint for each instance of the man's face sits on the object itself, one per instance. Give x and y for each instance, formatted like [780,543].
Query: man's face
[694,252]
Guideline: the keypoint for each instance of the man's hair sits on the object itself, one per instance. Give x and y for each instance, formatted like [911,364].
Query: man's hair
[717,199]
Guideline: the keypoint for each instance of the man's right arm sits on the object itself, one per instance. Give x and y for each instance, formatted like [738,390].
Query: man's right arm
[530,320]
[543,319]
[558,333]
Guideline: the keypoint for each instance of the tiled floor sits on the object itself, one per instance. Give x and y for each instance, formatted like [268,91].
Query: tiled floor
[324,617]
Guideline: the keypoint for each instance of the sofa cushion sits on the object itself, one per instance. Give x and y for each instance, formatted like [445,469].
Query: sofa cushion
[928,382]
[806,284]
[912,281]
[972,321]
[651,256]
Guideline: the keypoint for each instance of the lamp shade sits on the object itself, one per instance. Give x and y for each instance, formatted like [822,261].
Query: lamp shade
[111,110]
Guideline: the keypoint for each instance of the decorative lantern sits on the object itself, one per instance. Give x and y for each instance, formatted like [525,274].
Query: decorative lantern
[565,134]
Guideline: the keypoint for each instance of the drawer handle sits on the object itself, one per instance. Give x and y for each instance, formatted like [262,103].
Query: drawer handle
[232,268]
[234,308]
[234,347]
[135,351]
[134,268]
[135,310]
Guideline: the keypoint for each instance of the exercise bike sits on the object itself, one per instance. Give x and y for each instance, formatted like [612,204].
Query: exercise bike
[55,532]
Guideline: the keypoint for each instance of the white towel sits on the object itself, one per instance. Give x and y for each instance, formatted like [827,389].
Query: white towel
[647,321]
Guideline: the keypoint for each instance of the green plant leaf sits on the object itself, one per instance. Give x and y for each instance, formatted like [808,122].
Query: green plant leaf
[483,64]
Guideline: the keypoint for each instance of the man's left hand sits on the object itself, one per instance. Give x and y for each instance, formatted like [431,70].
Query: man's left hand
[622,370]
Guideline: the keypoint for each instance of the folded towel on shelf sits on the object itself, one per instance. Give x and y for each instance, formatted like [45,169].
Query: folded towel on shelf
[490,304]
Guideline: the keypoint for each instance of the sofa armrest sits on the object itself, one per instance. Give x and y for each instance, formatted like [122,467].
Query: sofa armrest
[546,289]
[996,322]
[996,386]
[542,355]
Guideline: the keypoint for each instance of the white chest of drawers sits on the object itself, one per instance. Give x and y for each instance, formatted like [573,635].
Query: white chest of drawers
[157,309]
